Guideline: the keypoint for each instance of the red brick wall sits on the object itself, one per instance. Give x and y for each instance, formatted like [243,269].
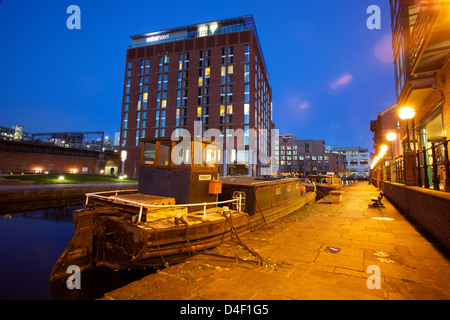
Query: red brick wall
[20,161]
[429,208]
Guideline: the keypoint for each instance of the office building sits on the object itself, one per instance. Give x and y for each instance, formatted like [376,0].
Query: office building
[303,157]
[357,160]
[199,77]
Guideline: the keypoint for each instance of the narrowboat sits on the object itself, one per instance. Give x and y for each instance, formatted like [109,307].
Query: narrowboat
[325,183]
[181,207]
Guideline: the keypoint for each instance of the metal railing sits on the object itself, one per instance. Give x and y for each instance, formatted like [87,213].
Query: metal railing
[431,164]
[141,205]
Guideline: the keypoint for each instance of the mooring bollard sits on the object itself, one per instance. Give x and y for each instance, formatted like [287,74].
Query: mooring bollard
[336,196]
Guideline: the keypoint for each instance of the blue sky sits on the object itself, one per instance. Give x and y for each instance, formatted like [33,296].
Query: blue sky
[329,73]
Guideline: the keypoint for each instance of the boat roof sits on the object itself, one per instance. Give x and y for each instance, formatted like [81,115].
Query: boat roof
[255,181]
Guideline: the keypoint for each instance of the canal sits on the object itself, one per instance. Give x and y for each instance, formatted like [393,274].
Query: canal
[31,242]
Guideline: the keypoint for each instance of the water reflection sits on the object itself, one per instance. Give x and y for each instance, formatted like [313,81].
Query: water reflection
[31,242]
[95,283]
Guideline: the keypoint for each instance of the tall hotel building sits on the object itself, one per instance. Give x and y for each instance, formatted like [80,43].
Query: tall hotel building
[213,74]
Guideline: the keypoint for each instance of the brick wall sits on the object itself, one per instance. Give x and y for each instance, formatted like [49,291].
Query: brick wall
[429,208]
[21,161]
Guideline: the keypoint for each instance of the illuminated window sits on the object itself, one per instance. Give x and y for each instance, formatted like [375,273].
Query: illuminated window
[163,103]
[229,108]
[247,73]
[200,82]
[246,113]
[247,93]
[207,72]
[222,109]
[147,66]
[230,69]
[199,111]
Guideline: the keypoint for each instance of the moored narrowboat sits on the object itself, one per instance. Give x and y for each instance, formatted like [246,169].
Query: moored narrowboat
[181,207]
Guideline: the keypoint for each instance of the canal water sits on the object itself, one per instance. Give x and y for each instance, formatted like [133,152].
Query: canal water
[30,244]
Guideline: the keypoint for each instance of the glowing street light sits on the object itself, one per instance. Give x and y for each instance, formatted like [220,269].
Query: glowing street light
[391,136]
[407,113]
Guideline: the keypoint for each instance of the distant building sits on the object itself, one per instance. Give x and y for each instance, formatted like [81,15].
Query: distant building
[357,160]
[303,157]
[116,138]
[387,122]
[14,133]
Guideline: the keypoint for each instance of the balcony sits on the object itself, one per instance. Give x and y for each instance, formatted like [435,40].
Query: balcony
[430,37]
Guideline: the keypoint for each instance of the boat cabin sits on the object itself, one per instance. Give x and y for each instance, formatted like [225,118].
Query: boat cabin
[325,180]
[185,169]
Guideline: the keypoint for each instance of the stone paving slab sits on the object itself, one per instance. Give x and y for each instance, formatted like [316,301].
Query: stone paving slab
[300,265]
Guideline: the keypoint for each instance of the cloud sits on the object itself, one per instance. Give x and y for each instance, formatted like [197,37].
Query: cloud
[383,49]
[297,103]
[343,80]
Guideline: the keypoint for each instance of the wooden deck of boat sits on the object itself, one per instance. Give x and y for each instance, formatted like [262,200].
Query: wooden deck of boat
[142,199]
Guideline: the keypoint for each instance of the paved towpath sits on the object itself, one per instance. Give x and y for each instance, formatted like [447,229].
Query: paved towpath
[323,251]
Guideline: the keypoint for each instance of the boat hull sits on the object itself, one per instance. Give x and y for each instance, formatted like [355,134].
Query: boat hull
[105,237]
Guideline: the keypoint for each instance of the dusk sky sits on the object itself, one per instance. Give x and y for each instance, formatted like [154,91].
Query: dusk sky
[329,73]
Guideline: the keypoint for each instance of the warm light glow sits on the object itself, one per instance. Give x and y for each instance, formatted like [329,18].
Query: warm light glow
[391,136]
[383,148]
[38,170]
[102,171]
[61,178]
[74,170]
[123,155]
[406,113]
[213,27]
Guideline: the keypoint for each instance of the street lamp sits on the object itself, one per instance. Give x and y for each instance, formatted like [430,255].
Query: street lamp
[391,136]
[407,113]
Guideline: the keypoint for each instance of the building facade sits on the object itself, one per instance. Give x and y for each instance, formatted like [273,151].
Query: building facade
[421,47]
[303,157]
[420,41]
[357,160]
[206,80]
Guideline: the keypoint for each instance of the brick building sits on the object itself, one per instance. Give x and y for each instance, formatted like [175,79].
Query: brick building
[420,37]
[420,41]
[421,46]
[204,76]
[301,157]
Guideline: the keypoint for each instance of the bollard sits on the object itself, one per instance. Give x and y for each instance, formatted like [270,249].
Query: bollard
[336,196]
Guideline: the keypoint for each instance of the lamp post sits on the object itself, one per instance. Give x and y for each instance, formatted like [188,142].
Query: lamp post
[391,136]
[407,113]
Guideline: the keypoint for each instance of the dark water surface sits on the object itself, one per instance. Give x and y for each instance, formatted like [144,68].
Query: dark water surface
[30,244]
